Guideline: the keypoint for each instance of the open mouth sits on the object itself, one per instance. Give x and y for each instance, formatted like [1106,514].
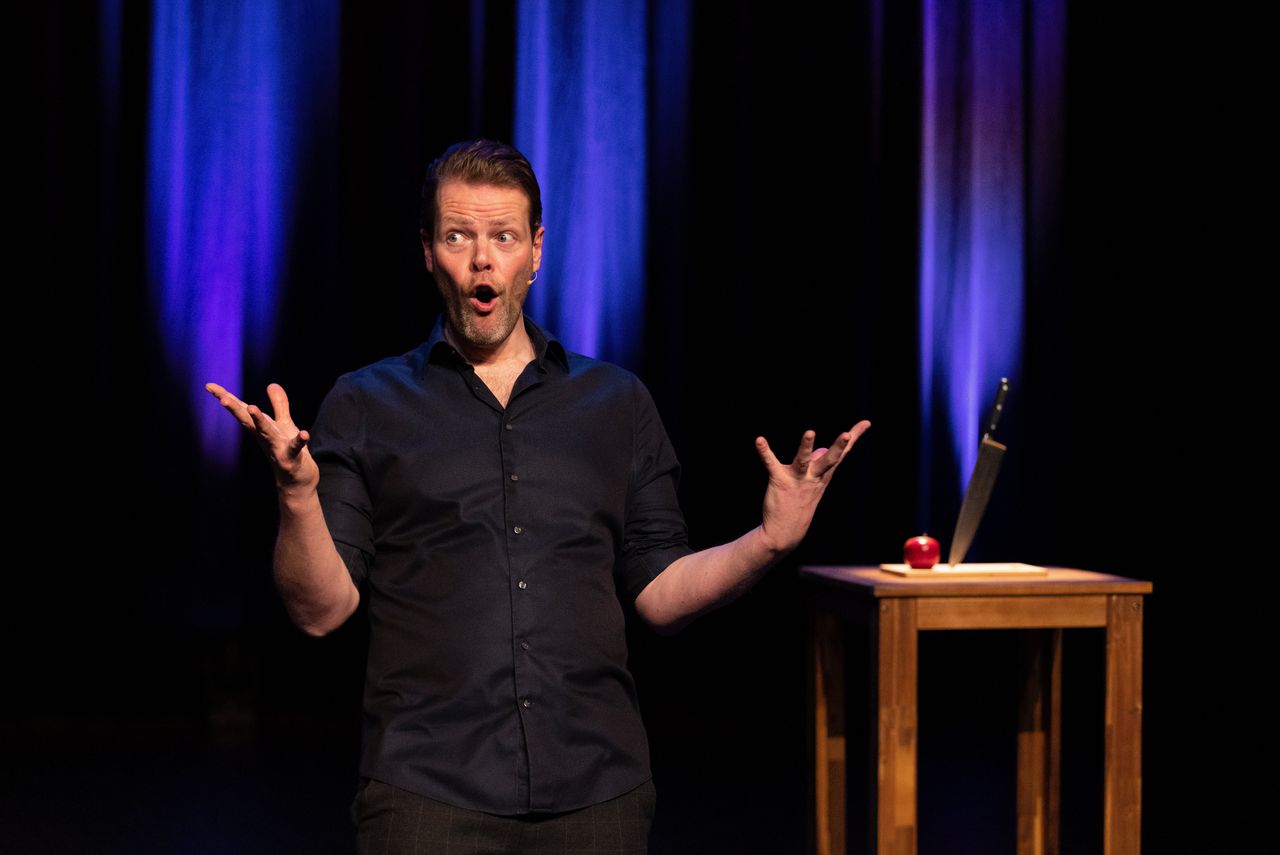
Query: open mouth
[483,298]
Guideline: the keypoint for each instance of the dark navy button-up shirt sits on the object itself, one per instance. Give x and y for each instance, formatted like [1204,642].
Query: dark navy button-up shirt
[491,546]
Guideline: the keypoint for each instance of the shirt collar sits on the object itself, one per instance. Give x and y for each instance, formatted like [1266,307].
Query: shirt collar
[545,345]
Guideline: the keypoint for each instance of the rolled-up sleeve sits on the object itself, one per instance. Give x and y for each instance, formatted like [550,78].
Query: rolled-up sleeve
[337,444]
[654,533]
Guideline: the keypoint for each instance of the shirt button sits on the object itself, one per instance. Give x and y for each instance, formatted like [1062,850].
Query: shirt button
[524,645]
[518,530]
[507,426]
[522,584]
[526,703]
[515,477]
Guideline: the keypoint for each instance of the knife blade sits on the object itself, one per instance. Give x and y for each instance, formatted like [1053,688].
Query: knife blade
[981,483]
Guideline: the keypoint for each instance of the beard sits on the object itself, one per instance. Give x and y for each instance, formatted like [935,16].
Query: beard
[490,330]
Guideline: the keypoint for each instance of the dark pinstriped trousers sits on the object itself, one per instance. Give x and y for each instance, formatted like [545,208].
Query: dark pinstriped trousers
[392,821]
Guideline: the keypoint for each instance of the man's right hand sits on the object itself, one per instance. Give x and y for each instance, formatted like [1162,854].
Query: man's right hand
[313,580]
[284,445]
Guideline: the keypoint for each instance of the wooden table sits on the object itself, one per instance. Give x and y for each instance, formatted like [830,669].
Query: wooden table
[894,609]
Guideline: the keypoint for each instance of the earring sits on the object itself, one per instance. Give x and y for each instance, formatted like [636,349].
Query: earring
[535,277]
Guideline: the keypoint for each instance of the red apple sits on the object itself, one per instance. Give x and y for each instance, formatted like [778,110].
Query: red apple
[922,552]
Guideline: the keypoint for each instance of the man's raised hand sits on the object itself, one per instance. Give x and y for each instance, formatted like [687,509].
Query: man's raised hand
[284,444]
[796,488]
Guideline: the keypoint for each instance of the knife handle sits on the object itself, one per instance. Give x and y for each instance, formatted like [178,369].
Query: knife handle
[998,409]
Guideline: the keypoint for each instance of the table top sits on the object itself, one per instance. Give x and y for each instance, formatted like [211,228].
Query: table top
[874,582]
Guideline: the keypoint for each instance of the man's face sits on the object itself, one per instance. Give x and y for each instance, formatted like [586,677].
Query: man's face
[482,256]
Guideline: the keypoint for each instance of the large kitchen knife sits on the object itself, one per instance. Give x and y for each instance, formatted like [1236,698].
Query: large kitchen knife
[981,483]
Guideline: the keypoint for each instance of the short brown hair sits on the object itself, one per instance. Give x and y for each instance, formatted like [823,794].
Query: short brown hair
[480,162]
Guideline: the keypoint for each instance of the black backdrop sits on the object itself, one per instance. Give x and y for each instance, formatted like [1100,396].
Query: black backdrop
[161,694]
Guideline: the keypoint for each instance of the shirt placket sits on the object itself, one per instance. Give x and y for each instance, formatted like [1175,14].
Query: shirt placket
[516,536]
[517,519]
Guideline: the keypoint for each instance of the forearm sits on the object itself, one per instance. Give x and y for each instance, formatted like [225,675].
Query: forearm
[698,583]
[312,578]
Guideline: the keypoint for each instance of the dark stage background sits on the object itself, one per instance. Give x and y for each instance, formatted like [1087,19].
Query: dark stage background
[161,702]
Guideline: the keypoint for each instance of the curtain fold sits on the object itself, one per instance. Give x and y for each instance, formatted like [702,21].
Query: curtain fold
[581,119]
[990,88]
[232,91]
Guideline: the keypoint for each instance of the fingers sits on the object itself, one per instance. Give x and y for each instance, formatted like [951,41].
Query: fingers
[766,454]
[832,457]
[805,452]
[805,455]
[808,460]
[278,437]
[279,402]
[277,442]
[298,443]
[231,403]
[264,424]
[245,413]
[269,428]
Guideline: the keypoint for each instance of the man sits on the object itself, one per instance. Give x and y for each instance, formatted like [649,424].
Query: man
[491,495]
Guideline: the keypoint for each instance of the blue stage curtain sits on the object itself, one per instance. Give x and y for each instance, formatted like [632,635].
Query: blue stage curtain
[991,81]
[233,89]
[581,119]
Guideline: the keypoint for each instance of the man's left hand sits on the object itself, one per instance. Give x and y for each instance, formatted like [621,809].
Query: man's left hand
[796,488]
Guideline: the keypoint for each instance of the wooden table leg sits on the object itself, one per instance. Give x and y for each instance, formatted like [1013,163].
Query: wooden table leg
[826,668]
[1039,742]
[1122,789]
[894,655]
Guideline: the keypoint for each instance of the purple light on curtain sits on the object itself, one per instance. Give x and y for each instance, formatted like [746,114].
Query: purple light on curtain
[232,86]
[972,221]
[581,120]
